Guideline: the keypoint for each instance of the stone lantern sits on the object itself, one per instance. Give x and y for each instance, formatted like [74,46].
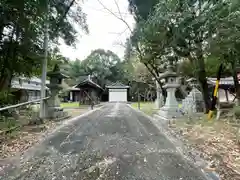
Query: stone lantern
[170,109]
[54,110]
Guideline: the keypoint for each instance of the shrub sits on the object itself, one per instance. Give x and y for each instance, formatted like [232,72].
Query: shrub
[5,98]
[236,111]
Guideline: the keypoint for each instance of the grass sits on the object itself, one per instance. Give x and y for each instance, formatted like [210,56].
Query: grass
[146,107]
[70,105]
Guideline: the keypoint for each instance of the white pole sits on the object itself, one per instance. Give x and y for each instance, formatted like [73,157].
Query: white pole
[44,67]
[158,95]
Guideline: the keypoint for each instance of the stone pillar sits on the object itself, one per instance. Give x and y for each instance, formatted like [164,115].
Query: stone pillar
[54,99]
[171,100]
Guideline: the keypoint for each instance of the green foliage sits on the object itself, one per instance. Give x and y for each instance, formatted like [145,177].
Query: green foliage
[186,69]
[198,35]
[6,123]
[104,65]
[141,8]
[212,65]
[22,32]
[54,57]
[236,111]
[189,29]
[5,98]
[101,64]
[106,68]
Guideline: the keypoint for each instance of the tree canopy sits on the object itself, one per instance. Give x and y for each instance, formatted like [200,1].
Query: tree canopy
[102,64]
[22,33]
[201,33]
[141,9]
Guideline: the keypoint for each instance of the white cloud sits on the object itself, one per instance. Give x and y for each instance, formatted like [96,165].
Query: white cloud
[105,29]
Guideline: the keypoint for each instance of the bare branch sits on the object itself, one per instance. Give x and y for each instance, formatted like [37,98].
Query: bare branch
[120,18]
[115,1]
[120,44]
[152,70]
[155,75]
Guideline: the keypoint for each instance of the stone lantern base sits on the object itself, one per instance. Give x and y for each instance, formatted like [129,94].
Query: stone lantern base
[168,113]
[171,108]
[56,113]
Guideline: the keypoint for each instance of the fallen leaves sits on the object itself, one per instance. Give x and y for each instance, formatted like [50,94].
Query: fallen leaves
[218,143]
[20,144]
[20,141]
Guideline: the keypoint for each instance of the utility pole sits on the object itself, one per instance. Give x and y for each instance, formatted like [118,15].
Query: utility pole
[138,99]
[44,65]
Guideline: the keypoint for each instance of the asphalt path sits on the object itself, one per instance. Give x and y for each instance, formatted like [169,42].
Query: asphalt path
[114,142]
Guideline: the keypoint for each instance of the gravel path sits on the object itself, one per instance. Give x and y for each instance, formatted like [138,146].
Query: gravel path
[114,142]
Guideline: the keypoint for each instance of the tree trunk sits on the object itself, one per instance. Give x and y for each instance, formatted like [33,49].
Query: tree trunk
[6,73]
[145,96]
[163,91]
[5,81]
[1,32]
[204,87]
[203,82]
[236,83]
[148,95]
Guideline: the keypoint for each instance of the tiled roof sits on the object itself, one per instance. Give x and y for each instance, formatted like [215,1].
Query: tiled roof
[87,80]
[117,85]
[33,83]
[227,81]
[212,81]
[82,78]
[74,88]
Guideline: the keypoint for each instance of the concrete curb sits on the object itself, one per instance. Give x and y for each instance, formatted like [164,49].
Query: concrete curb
[162,127]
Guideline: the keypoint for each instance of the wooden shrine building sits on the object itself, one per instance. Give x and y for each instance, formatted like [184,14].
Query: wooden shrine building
[86,91]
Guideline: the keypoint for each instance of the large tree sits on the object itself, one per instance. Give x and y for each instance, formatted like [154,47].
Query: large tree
[177,30]
[104,65]
[22,31]
[226,40]
[141,9]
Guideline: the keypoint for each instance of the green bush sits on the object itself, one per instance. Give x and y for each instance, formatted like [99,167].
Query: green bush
[5,98]
[236,111]
[7,122]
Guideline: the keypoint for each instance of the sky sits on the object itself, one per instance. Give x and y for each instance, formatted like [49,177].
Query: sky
[105,30]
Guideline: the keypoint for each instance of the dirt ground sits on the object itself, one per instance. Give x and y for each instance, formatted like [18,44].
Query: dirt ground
[217,141]
[19,140]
